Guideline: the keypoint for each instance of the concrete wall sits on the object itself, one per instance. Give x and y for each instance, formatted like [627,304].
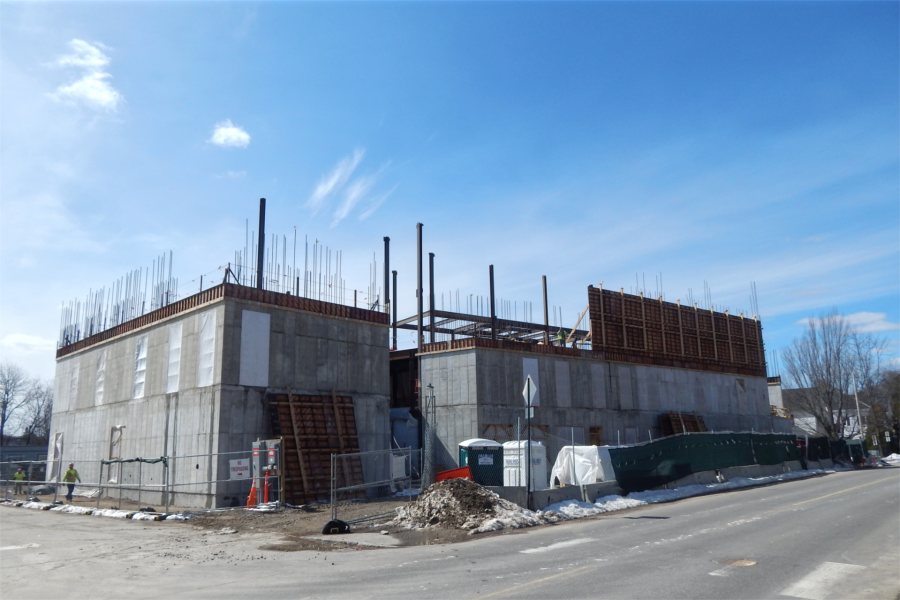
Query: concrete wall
[479,394]
[211,411]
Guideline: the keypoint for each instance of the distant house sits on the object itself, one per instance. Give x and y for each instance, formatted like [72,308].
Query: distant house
[806,423]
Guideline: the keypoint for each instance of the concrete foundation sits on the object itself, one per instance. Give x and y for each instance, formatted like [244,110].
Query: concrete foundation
[192,386]
[478,393]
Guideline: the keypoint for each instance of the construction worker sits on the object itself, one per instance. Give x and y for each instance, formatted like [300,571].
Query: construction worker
[70,477]
[561,337]
[19,477]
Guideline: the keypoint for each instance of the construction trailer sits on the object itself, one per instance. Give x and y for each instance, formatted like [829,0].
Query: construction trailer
[209,375]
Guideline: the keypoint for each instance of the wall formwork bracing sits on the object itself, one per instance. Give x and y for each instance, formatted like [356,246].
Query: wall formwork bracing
[635,329]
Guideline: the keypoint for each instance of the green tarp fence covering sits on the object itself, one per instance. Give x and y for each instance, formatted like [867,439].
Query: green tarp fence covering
[652,464]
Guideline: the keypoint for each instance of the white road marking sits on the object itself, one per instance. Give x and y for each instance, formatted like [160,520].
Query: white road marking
[557,545]
[818,584]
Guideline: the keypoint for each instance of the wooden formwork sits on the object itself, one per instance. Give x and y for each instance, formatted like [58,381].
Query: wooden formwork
[314,428]
[637,329]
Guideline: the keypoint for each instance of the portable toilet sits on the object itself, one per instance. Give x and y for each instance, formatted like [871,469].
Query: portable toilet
[515,457]
[484,459]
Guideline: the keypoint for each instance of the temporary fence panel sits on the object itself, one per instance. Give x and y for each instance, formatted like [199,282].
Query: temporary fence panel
[359,477]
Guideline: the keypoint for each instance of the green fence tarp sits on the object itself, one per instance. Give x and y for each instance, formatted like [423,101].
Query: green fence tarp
[652,464]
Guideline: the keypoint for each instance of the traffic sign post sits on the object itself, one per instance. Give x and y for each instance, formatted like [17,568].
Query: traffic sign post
[528,393]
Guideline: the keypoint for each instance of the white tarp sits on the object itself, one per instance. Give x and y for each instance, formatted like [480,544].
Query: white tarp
[101,376]
[140,365]
[588,464]
[61,386]
[206,348]
[254,348]
[173,372]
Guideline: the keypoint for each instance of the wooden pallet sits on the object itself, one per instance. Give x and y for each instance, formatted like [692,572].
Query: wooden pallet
[314,428]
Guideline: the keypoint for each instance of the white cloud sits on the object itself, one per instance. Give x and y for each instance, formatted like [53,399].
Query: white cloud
[334,180]
[22,343]
[871,322]
[84,56]
[355,192]
[93,88]
[375,203]
[228,135]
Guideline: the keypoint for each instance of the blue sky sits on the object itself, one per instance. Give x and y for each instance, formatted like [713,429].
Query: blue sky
[707,144]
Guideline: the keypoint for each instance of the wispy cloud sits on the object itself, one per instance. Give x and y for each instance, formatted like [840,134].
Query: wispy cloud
[93,88]
[375,203]
[23,343]
[228,135]
[871,322]
[354,192]
[232,175]
[334,180]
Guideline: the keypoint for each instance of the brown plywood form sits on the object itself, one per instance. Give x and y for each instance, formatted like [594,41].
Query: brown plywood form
[632,328]
[314,428]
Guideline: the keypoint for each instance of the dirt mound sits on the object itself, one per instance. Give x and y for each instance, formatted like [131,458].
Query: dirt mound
[463,504]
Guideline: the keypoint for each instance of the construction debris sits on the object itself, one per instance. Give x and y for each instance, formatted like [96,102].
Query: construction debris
[463,504]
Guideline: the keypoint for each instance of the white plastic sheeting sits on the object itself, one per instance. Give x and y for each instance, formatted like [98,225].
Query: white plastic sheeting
[140,366]
[578,465]
[254,348]
[206,348]
[61,388]
[173,366]
[100,381]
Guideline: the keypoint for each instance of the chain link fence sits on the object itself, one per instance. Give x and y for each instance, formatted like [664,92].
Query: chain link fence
[361,481]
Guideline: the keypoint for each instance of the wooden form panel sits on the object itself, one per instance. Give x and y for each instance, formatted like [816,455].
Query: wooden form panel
[636,329]
[314,428]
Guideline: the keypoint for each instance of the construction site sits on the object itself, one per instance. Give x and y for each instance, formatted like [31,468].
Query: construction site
[267,355]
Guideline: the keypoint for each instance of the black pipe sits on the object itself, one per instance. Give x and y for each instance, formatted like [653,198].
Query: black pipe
[394,307]
[421,340]
[546,314]
[261,245]
[387,271]
[431,296]
[493,313]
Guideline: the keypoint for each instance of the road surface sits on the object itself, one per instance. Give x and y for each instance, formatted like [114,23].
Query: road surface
[830,537]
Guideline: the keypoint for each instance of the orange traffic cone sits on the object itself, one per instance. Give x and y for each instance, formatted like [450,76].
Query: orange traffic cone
[252,499]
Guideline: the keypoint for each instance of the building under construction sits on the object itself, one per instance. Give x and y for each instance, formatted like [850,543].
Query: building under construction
[211,373]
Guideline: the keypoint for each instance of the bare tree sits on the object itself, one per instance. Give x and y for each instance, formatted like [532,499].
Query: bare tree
[37,412]
[13,385]
[827,365]
[883,403]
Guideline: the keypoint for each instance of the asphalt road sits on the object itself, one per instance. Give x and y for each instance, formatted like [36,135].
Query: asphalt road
[831,537]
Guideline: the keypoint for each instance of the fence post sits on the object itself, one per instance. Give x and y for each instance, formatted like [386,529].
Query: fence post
[166,482]
[333,505]
[99,485]
[140,481]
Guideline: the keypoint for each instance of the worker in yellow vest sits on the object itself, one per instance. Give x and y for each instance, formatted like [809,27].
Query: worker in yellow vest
[70,477]
[19,478]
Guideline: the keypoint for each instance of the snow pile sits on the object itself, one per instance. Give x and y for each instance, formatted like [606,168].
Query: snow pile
[146,516]
[892,458]
[463,504]
[114,513]
[69,508]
